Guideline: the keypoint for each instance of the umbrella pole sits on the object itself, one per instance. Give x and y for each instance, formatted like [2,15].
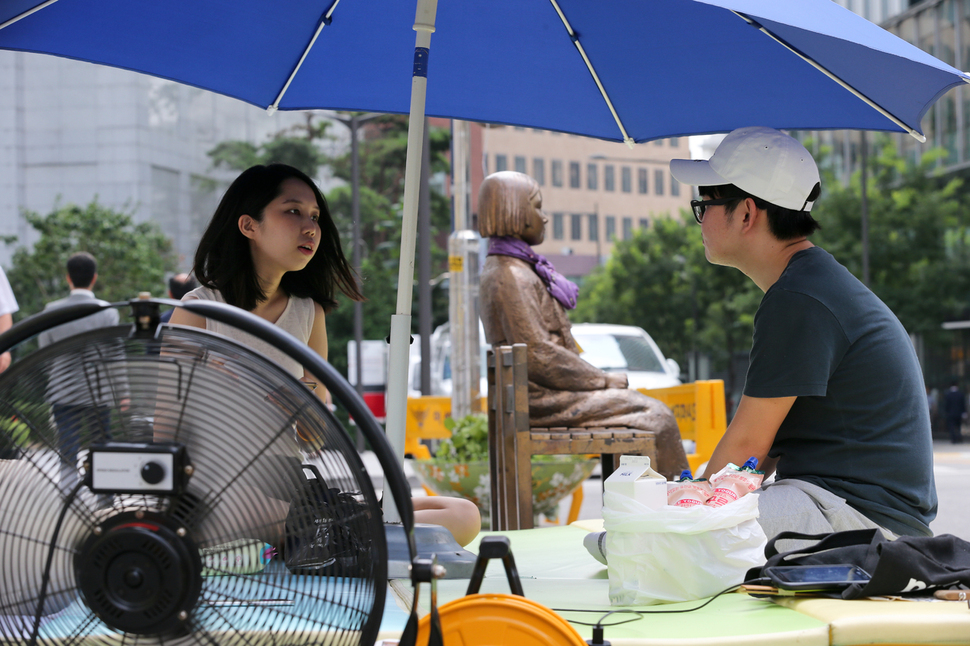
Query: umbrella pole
[397,371]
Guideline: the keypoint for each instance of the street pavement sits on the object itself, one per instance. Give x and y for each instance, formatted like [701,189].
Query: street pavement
[952,471]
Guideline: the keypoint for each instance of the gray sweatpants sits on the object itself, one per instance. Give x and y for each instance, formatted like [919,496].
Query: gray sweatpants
[799,506]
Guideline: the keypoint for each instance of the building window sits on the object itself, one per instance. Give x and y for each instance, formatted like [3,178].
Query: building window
[574,175]
[658,181]
[539,170]
[520,164]
[642,185]
[626,179]
[557,228]
[674,142]
[658,142]
[576,226]
[610,228]
[592,177]
[609,181]
[674,186]
[644,223]
[501,163]
[556,172]
[594,227]
[627,228]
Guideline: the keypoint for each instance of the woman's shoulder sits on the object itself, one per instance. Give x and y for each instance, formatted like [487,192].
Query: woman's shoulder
[204,294]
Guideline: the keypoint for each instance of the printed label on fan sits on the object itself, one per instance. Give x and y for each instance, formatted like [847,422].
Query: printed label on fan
[131,471]
[243,556]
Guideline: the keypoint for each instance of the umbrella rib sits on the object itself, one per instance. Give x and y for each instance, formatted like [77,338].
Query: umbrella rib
[326,20]
[27,13]
[872,104]
[589,65]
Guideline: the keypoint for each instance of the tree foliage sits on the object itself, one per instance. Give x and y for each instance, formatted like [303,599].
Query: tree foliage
[300,151]
[132,257]
[919,237]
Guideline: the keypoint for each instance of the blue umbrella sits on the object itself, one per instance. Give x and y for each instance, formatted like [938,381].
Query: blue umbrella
[613,69]
[624,70]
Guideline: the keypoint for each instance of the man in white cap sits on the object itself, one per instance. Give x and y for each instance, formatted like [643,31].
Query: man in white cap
[834,402]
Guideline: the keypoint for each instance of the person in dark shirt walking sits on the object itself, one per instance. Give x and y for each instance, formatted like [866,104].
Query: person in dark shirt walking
[955,410]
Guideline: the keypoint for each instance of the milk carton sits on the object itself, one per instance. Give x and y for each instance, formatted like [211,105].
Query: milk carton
[635,479]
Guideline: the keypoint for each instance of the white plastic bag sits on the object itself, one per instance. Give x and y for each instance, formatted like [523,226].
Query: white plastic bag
[679,553]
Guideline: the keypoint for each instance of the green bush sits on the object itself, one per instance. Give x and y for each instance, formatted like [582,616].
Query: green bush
[468,442]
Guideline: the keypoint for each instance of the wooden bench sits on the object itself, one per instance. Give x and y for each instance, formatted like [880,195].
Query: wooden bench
[512,442]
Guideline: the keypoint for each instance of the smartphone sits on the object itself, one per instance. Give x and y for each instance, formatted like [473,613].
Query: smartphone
[816,577]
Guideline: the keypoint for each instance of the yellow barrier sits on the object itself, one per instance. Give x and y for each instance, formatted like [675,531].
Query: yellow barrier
[699,409]
[426,421]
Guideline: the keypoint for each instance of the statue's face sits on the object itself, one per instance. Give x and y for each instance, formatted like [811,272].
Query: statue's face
[535,222]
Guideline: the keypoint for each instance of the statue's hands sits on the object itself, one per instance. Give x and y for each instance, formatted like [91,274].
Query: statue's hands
[616,380]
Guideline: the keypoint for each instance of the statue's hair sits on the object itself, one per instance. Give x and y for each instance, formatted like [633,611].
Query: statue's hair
[503,202]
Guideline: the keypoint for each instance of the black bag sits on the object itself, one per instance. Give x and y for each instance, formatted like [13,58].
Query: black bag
[909,564]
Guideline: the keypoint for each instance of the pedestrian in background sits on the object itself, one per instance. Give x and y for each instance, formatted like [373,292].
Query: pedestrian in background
[955,409]
[80,392]
[8,305]
[178,286]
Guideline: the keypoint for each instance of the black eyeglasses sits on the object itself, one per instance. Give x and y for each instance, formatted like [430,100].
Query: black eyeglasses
[699,206]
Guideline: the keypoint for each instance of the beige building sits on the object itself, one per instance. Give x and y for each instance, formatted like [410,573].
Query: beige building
[594,192]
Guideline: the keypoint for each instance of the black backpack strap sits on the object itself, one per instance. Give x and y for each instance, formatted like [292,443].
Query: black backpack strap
[864,555]
[825,542]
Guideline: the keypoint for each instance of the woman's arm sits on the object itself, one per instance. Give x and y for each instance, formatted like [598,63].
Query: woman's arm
[318,343]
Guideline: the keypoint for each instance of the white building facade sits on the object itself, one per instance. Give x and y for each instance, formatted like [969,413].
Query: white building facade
[74,131]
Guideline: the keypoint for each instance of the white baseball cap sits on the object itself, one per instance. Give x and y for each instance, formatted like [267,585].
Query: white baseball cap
[761,161]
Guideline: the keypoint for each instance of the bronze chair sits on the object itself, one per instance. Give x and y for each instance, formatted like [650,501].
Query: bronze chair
[512,443]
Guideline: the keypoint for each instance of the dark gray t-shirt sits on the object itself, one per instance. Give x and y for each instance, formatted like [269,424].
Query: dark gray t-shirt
[860,427]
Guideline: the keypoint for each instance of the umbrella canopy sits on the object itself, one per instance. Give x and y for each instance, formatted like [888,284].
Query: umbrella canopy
[666,67]
[624,70]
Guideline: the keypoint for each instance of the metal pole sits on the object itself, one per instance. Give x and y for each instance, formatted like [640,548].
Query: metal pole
[355,259]
[865,211]
[599,251]
[463,285]
[353,124]
[397,372]
[424,265]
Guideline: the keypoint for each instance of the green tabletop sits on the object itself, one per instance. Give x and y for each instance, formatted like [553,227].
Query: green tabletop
[558,572]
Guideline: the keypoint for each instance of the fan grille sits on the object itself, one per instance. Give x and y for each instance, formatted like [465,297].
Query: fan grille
[247,426]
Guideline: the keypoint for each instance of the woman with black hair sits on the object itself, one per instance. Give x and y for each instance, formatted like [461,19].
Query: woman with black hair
[272,249]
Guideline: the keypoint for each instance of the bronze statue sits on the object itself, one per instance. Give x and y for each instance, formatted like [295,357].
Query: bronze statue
[524,300]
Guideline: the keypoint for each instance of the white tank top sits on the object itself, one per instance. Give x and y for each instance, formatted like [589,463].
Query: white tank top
[297,319]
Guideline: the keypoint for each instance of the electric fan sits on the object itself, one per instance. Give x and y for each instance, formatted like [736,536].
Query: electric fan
[168,485]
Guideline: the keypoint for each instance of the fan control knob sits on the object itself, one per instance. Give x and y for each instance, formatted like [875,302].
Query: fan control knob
[152,472]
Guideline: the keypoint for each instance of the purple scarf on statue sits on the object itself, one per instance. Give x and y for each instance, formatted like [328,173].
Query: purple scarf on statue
[562,289]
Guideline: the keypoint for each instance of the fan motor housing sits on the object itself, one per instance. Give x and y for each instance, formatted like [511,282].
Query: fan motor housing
[141,574]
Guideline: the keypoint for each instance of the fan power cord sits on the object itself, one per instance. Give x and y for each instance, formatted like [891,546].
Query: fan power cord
[598,627]
[50,559]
